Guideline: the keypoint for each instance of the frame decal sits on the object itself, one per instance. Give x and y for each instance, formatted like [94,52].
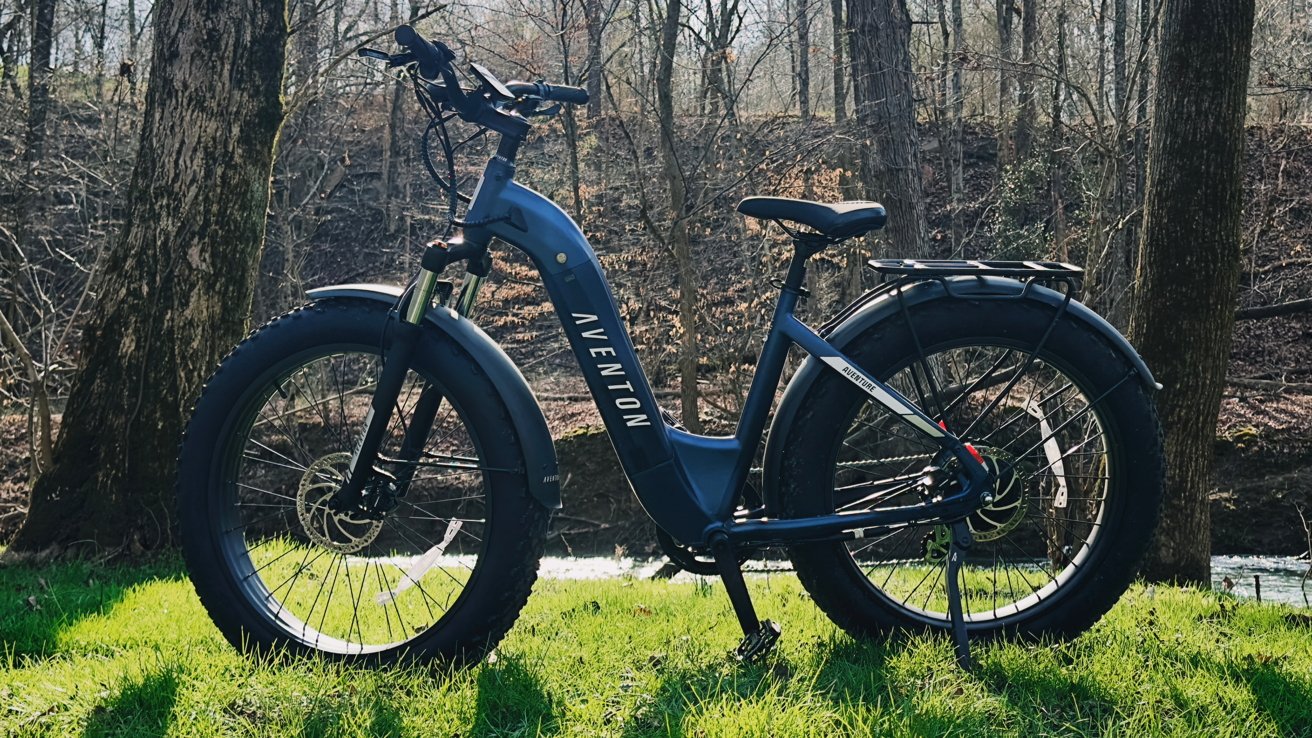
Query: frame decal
[885,398]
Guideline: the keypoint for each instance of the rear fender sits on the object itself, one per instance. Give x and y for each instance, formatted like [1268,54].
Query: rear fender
[525,413]
[888,306]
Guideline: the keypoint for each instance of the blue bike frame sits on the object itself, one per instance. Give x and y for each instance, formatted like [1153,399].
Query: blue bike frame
[689,484]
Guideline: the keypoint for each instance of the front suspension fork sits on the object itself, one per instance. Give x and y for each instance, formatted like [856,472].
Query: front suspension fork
[397,359]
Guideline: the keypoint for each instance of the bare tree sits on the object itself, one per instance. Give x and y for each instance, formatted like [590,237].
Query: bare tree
[840,65]
[679,240]
[38,80]
[596,27]
[886,115]
[803,23]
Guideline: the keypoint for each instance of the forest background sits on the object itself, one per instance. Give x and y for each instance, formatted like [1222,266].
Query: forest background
[1001,129]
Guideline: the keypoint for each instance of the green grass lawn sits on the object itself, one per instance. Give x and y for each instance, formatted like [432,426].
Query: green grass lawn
[128,651]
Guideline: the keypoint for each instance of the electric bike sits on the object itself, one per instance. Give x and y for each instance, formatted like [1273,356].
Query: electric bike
[966,448]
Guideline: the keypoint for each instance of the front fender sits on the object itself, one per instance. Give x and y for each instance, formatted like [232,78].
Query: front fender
[889,306]
[525,413]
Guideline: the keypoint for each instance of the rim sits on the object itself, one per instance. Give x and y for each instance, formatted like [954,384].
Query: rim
[344,583]
[1033,422]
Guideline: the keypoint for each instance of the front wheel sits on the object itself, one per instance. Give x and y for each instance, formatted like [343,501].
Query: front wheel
[1066,421]
[442,573]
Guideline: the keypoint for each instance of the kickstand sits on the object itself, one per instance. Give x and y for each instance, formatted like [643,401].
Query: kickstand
[759,636]
[961,542]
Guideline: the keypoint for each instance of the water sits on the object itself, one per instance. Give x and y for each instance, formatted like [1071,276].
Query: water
[1280,574]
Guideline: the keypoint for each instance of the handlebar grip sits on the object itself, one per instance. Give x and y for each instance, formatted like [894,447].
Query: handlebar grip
[431,60]
[567,94]
[554,93]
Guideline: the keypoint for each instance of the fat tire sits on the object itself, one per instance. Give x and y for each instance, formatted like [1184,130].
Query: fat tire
[508,564]
[828,572]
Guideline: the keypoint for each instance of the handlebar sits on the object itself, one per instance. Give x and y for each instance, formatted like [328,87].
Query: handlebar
[435,59]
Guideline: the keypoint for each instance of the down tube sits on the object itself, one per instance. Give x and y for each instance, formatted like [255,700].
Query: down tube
[586,309]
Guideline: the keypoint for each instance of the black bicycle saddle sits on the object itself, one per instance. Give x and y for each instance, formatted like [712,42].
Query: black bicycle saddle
[836,220]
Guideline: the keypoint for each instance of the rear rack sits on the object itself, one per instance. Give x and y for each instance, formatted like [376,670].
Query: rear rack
[897,273]
[1039,270]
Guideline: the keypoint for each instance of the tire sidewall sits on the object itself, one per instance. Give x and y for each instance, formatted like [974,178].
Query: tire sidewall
[236,390]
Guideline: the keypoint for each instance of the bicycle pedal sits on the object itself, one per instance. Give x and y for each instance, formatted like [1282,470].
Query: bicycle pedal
[756,646]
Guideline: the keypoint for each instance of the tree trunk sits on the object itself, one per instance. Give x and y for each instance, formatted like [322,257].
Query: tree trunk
[102,17]
[679,239]
[840,45]
[1056,144]
[804,59]
[1190,257]
[133,34]
[723,26]
[592,11]
[956,107]
[1146,32]
[11,37]
[38,81]
[886,118]
[1111,277]
[1026,113]
[178,282]
[1006,81]
[570,123]
[1101,23]
[395,96]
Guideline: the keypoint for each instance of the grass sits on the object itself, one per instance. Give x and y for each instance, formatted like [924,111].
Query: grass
[102,651]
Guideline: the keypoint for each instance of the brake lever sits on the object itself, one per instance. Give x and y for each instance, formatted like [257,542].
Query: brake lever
[403,59]
[535,112]
[393,60]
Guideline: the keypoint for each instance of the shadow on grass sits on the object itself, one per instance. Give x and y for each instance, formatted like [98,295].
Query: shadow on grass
[853,672]
[1285,698]
[38,602]
[142,709]
[511,701]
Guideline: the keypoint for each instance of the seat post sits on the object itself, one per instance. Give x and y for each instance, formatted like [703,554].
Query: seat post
[805,245]
[796,277]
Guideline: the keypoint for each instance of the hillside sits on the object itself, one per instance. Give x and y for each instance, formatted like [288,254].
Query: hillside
[344,232]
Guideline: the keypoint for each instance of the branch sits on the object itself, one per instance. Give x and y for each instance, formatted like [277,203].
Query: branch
[1270,311]
[299,98]
[43,446]
[1282,264]
[1269,384]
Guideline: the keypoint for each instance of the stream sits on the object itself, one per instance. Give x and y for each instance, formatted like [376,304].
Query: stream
[1280,575]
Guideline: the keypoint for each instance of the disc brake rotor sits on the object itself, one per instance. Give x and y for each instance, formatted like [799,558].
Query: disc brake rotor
[335,531]
[1007,510]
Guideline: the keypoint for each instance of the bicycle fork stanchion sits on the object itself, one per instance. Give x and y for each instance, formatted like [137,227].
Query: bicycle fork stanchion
[961,542]
[405,338]
[430,400]
[759,636]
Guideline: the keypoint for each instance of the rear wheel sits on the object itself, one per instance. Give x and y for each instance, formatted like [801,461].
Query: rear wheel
[442,574]
[1065,421]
